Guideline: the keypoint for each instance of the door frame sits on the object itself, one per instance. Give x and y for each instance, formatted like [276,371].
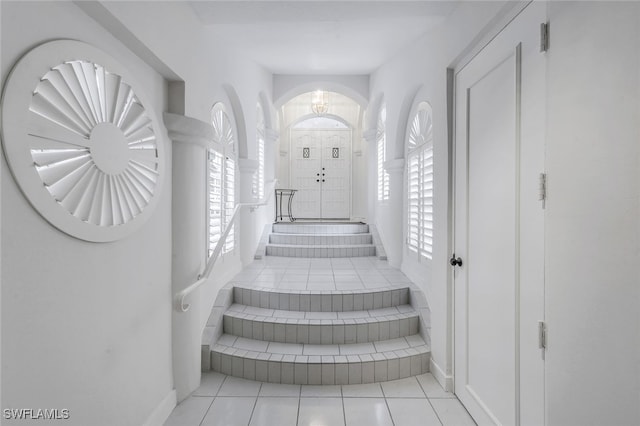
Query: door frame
[350,171]
[446,374]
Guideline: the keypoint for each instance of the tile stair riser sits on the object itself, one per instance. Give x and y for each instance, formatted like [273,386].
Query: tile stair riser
[321,302]
[289,228]
[320,239]
[321,252]
[288,371]
[313,332]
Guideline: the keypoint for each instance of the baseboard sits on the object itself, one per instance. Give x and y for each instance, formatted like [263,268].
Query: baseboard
[163,410]
[446,381]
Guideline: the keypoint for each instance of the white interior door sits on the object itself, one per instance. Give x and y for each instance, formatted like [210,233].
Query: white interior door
[306,166]
[321,172]
[499,227]
[336,174]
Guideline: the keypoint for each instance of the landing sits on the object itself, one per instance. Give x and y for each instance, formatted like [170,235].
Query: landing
[321,274]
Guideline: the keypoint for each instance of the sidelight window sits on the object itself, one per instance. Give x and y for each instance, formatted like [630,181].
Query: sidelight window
[381,139]
[221,180]
[258,177]
[420,182]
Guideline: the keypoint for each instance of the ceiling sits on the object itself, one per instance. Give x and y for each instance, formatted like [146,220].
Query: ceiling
[320,37]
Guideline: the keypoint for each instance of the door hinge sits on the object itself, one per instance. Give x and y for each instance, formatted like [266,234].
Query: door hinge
[544,37]
[542,189]
[542,335]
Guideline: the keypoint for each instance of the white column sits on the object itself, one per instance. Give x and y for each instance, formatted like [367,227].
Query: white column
[272,156]
[190,139]
[395,235]
[246,228]
[369,137]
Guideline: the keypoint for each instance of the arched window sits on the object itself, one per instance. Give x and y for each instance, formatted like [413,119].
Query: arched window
[221,179]
[381,138]
[420,182]
[258,177]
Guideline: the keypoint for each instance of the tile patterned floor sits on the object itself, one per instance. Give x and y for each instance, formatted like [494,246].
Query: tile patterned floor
[342,273]
[228,401]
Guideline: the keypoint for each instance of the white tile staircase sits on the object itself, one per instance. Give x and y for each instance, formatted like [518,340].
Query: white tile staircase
[327,239]
[360,337]
[375,333]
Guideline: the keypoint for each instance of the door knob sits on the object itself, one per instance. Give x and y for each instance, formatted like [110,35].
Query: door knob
[455,261]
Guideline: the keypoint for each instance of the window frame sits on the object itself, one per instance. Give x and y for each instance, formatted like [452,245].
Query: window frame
[257,187]
[221,194]
[420,182]
[381,155]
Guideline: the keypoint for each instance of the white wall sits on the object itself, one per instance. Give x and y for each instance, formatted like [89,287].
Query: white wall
[85,326]
[286,87]
[422,68]
[593,213]
[593,209]
[211,72]
[342,105]
[172,33]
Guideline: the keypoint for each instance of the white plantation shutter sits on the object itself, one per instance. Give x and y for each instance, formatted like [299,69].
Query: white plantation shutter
[426,201]
[413,220]
[229,201]
[260,173]
[420,183]
[221,180]
[258,177]
[383,176]
[215,198]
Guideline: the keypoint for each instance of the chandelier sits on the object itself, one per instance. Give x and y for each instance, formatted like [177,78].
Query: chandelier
[319,102]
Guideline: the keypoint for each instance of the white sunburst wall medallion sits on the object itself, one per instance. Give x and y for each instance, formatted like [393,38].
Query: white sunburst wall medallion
[81,142]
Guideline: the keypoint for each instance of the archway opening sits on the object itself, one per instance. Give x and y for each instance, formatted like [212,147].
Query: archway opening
[317,146]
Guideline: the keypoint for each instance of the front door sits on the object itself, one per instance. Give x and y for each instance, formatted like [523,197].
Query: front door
[321,172]
[499,227]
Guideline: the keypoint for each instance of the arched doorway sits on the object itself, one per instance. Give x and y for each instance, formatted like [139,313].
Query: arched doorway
[321,156]
[320,167]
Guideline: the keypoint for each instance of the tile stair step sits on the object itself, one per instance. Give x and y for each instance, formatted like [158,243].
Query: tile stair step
[321,301]
[320,327]
[321,239]
[320,364]
[351,250]
[320,228]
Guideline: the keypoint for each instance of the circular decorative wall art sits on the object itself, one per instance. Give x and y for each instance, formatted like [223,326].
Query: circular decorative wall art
[80,142]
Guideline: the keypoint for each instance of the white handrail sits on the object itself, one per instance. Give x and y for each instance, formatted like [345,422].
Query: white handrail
[179,297]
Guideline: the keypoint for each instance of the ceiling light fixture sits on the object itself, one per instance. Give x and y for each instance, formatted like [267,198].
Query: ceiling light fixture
[320,102]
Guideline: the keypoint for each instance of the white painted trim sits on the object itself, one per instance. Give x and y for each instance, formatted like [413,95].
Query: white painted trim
[370,135]
[183,129]
[446,381]
[270,135]
[286,87]
[506,14]
[247,165]
[163,410]
[395,165]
